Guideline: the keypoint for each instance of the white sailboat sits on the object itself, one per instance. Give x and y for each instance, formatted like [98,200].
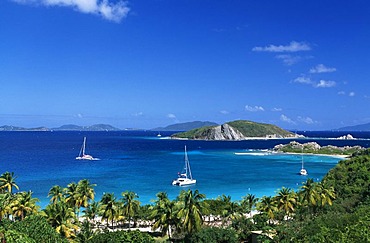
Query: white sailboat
[83,155]
[185,178]
[303,171]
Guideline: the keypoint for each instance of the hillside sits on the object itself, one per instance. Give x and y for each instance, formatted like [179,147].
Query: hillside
[236,130]
[361,127]
[186,126]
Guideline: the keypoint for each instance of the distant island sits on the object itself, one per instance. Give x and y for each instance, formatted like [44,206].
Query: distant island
[185,126]
[96,127]
[15,128]
[359,128]
[315,148]
[236,130]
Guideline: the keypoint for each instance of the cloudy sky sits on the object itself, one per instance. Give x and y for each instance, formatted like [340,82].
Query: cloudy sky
[146,63]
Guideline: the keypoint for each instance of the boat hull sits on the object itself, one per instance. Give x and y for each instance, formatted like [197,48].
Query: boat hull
[86,157]
[184,182]
[303,172]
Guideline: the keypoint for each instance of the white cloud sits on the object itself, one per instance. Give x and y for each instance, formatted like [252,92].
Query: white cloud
[284,118]
[276,109]
[224,112]
[113,11]
[325,84]
[321,68]
[79,115]
[341,93]
[171,116]
[303,80]
[351,94]
[307,120]
[289,59]
[292,47]
[254,108]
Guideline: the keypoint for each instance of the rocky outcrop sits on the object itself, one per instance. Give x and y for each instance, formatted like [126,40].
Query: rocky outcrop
[223,132]
[346,137]
[313,147]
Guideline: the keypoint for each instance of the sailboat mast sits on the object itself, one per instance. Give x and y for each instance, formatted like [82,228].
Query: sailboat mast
[83,146]
[187,165]
[302,157]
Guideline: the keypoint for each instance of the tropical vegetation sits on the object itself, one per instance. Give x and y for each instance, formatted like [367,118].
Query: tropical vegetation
[336,209]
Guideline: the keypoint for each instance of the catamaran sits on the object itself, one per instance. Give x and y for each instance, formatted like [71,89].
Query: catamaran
[303,171]
[185,178]
[82,155]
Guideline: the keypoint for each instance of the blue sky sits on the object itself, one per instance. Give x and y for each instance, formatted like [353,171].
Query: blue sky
[301,65]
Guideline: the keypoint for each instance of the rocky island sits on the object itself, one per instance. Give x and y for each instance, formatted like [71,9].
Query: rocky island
[236,130]
[315,148]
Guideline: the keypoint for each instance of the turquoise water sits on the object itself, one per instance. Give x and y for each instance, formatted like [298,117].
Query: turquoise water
[143,163]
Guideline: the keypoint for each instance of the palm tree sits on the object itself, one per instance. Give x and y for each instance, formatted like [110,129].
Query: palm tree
[24,204]
[86,232]
[91,211]
[326,194]
[234,211]
[268,206]
[308,194]
[231,210]
[249,202]
[5,200]
[130,205]
[62,218]
[224,202]
[56,194]
[84,193]
[286,200]
[7,182]
[164,214]
[191,210]
[109,207]
[70,194]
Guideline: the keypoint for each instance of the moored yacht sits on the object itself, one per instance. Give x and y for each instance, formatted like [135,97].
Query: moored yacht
[185,178]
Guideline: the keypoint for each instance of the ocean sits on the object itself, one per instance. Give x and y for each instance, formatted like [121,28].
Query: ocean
[140,161]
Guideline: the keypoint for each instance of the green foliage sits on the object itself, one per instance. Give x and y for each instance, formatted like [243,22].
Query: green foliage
[216,206]
[86,232]
[34,228]
[348,220]
[13,236]
[121,236]
[244,227]
[195,133]
[214,235]
[328,227]
[254,129]
[351,179]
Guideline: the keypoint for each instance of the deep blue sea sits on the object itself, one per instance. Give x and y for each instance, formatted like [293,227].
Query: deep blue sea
[139,161]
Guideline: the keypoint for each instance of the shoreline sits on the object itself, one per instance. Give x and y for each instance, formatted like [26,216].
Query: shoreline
[342,156]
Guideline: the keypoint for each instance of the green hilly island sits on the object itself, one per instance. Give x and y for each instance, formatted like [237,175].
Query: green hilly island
[236,130]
